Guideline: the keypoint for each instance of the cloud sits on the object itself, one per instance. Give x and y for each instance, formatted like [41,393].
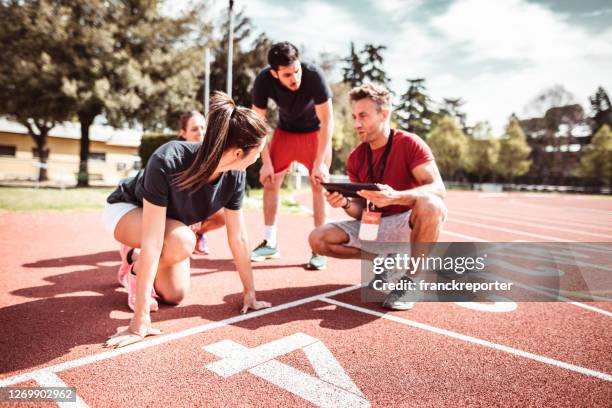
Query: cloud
[496,55]
[397,8]
[536,47]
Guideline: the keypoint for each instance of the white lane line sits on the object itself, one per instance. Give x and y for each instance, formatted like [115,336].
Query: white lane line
[509,230]
[316,391]
[575,209]
[154,341]
[528,224]
[474,340]
[332,387]
[235,361]
[552,295]
[49,379]
[503,214]
[462,236]
[591,308]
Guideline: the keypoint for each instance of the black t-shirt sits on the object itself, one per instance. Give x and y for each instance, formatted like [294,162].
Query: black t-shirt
[155,184]
[296,108]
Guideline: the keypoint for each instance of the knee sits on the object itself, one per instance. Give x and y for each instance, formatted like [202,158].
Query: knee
[178,245]
[175,298]
[317,240]
[429,209]
[274,186]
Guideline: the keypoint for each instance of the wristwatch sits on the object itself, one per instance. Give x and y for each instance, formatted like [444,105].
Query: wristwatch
[348,204]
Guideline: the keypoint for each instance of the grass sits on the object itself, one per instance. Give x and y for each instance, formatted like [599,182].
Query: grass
[23,199]
[288,205]
[19,199]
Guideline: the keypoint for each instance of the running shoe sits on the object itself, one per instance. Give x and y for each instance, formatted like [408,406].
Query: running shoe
[124,268]
[201,246]
[131,287]
[400,299]
[264,251]
[317,262]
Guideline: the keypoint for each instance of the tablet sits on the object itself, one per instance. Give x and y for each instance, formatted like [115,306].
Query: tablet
[349,189]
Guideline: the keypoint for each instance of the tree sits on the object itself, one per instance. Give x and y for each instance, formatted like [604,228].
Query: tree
[344,138]
[596,161]
[248,59]
[514,151]
[353,72]
[117,58]
[414,113]
[452,107]
[483,152]
[372,69]
[450,147]
[601,109]
[30,84]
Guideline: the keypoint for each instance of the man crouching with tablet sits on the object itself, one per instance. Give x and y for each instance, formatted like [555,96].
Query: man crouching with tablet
[408,207]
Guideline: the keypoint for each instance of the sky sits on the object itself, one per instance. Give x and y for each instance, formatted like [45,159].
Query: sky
[495,55]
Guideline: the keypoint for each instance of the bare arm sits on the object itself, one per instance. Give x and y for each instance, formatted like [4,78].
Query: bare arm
[266,173]
[426,174]
[265,153]
[325,113]
[152,241]
[239,245]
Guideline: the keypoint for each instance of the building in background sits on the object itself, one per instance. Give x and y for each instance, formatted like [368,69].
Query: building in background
[556,142]
[113,154]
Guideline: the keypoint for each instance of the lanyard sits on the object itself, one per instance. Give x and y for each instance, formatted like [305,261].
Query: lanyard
[383,160]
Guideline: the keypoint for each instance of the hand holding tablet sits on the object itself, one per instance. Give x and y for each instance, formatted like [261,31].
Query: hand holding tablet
[349,189]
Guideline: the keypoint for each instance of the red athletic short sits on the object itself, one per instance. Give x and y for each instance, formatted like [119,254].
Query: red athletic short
[287,147]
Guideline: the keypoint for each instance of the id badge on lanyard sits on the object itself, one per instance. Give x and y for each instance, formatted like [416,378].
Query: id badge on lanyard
[371,218]
[370,222]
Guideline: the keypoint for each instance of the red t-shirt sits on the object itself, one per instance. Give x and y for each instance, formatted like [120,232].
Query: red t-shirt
[407,151]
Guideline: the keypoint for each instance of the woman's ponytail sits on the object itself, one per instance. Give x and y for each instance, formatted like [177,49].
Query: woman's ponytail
[227,126]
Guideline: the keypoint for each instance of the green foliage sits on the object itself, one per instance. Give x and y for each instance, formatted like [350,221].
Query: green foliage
[450,147]
[483,155]
[344,139]
[514,151]
[601,108]
[372,69]
[352,73]
[21,199]
[453,107]
[150,142]
[83,58]
[28,75]
[414,113]
[248,59]
[365,66]
[596,161]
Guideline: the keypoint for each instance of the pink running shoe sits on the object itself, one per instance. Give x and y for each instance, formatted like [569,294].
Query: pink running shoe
[201,246]
[124,268]
[131,280]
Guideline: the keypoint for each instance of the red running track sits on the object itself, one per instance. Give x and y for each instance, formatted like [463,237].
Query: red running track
[59,300]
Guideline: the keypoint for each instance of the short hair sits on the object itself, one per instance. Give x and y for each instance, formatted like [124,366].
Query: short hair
[282,53]
[376,92]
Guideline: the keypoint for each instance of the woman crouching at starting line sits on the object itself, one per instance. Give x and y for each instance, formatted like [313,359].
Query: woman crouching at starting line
[183,183]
